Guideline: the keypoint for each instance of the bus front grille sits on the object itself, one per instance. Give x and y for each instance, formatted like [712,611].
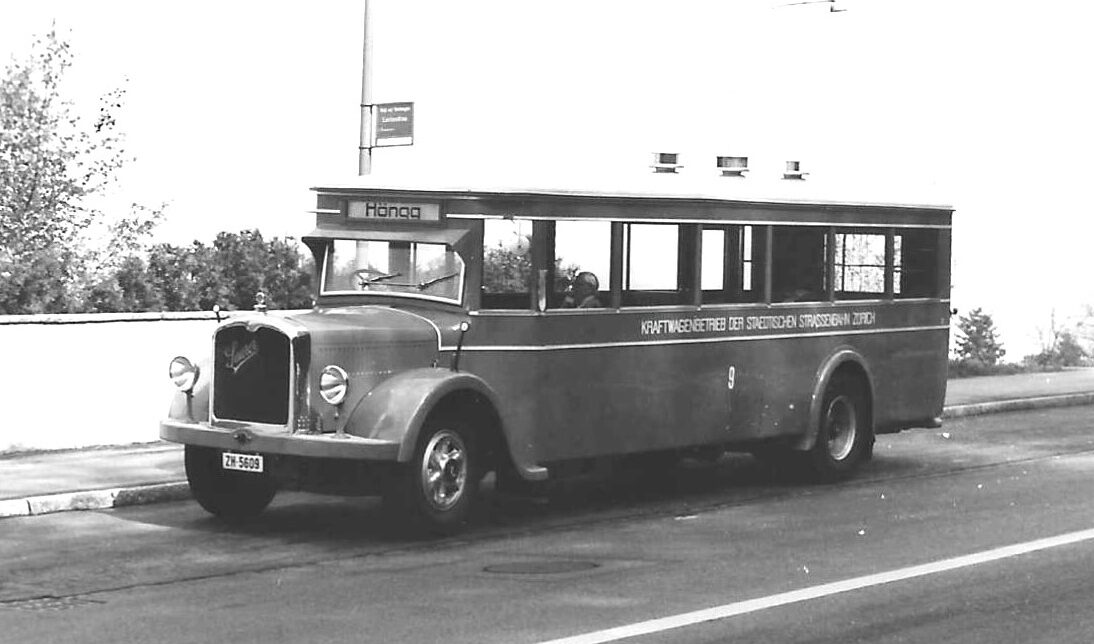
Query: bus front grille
[251,375]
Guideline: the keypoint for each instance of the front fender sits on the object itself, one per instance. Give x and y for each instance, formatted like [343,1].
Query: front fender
[396,409]
[837,359]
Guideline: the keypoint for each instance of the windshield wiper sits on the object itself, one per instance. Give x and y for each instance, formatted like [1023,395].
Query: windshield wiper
[365,281]
[426,284]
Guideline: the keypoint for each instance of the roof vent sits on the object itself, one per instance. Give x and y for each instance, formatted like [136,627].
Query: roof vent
[733,166]
[665,162]
[794,171]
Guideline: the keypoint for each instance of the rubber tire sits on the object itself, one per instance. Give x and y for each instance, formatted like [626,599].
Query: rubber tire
[232,496]
[848,393]
[405,497]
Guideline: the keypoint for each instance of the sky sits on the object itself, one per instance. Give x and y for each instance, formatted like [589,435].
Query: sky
[235,110]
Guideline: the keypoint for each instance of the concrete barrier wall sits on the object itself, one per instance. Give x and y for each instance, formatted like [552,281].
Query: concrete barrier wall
[81,380]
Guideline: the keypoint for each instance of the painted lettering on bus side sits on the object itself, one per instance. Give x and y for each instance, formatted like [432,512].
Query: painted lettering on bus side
[863,318]
[784,322]
[840,319]
[764,322]
[685,325]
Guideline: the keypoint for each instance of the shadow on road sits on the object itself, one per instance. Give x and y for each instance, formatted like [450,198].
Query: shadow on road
[651,487]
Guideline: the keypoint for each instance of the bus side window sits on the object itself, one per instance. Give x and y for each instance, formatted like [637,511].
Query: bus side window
[859,267]
[728,260]
[580,247]
[915,270]
[651,267]
[507,264]
[797,263]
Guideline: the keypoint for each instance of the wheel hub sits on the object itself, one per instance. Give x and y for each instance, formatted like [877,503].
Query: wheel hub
[444,470]
[841,424]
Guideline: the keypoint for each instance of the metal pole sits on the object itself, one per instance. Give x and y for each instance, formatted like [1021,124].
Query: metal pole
[364,161]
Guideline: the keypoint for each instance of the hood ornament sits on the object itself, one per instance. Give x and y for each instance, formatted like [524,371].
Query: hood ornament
[260,302]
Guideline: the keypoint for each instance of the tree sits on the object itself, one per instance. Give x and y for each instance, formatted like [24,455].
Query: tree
[1070,352]
[33,282]
[246,264]
[228,273]
[51,162]
[506,270]
[288,280]
[978,341]
[186,278]
[509,270]
[1061,344]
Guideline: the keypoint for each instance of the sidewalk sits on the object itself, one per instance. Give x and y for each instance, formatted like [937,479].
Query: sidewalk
[107,477]
[90,479]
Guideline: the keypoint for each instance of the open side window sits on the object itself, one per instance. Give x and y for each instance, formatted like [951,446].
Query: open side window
[507,271]
[730,263]
[656,270]
[580,257]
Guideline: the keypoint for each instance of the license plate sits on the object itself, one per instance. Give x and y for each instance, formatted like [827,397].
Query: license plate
[242,462]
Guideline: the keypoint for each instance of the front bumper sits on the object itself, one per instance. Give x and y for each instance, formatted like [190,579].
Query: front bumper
[346,446]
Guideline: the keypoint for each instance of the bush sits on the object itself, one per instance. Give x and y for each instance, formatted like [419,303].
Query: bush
[1064,352]
[972,368]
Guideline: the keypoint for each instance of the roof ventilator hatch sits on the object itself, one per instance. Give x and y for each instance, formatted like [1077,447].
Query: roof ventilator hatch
[665,162]
[794,171]
[733,166]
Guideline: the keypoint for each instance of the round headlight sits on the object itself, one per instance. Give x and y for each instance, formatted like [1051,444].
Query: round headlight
[184,374]
[333,384]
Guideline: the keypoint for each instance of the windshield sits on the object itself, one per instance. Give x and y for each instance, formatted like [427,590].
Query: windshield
[413,268]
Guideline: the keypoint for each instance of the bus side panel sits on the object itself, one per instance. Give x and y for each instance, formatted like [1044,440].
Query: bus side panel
[575,402]
[567,392]
[910,377]
[515,374]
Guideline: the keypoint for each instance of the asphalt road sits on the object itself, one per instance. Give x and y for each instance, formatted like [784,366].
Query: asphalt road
[980,531]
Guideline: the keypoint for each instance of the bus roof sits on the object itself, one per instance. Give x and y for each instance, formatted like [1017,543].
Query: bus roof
[662,187]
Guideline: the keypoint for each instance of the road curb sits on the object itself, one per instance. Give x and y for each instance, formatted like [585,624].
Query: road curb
[1018,404]
[95,499]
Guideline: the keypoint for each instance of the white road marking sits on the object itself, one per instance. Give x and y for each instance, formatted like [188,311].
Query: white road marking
[823,590]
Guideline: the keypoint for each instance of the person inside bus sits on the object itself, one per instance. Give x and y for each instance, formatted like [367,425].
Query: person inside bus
[582,293]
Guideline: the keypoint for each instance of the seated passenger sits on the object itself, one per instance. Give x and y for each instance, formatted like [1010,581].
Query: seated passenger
[582,292]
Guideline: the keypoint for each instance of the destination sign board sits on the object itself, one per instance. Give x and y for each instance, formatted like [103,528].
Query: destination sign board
[393,211]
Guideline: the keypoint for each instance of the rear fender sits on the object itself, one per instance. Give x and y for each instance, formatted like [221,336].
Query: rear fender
[839,358]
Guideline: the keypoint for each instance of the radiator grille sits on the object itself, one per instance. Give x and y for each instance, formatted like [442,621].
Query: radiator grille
[252,373]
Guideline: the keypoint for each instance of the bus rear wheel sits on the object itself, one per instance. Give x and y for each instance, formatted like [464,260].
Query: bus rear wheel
[232,496]
[437,489]
[845,439]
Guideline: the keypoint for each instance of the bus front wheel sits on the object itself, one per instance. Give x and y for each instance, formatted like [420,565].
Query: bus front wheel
[435,491]
[230,495]
[845,438]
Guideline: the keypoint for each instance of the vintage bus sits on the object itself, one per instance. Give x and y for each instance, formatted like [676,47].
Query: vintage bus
[538,332]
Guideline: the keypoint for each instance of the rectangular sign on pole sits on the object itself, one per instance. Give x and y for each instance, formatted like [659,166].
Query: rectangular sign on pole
[394,124]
